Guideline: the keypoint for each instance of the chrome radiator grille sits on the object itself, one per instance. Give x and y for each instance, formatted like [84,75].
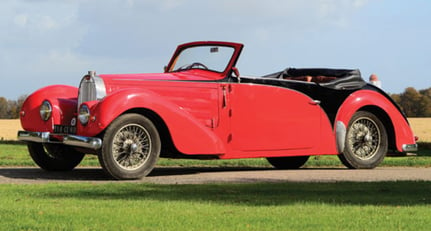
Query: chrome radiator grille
[91,88]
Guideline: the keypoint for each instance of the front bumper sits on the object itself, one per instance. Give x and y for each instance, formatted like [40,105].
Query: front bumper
[72,140]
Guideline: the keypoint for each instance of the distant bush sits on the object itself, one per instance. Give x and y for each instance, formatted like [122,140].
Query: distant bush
[414,103]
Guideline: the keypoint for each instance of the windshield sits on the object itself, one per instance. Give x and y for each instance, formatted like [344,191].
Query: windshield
[212,58]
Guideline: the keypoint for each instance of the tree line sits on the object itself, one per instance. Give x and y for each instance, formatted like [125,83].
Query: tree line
[414,103]
[9,109]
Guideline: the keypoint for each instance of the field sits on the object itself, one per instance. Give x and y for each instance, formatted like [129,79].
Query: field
[9,129]
[421,128]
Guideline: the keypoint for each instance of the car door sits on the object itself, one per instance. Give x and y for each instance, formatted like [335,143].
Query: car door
[264,117]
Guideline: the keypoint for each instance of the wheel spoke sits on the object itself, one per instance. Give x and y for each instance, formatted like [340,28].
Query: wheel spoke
[131,146]
[364,138]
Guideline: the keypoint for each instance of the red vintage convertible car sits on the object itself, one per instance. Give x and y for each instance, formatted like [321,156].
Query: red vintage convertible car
[202,108]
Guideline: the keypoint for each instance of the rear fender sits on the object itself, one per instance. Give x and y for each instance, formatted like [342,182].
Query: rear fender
[188,135]
[63,100]
[363,99]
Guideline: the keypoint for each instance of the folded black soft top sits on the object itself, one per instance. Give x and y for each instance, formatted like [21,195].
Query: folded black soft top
[342,78]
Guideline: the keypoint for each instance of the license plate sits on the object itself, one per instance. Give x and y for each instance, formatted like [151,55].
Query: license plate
[63,129]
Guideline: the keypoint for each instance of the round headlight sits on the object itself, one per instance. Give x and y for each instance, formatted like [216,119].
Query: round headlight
[45,110]
[84,114]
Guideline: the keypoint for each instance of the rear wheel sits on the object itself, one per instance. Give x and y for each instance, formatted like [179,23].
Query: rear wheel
[366,142]
[289,162]
[131,147]
[54,157]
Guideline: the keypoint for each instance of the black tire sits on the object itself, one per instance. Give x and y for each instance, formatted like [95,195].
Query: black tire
[54,157]
[366,142]
[131,147]
[289,162]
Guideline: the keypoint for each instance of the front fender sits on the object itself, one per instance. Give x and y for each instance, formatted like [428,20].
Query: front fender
[365,98]
[63,100]
[188,135]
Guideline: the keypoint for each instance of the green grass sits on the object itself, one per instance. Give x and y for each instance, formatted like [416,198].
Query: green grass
[283,206]
[264,206]
[16,154]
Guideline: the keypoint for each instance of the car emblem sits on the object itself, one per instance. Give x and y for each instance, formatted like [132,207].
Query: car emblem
[73,121]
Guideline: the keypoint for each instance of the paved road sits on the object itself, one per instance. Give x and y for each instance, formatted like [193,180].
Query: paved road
[169,175]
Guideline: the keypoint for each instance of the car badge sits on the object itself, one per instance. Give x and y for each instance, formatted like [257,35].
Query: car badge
[73,121]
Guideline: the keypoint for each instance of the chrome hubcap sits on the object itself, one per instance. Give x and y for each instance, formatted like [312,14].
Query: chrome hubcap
[364,138]
[131,146]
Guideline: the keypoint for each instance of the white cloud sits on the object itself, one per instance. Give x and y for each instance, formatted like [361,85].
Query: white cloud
[360,3]
[290,9]
[20,20]
[36,22]
[58,61]
[48,23]
[167,5]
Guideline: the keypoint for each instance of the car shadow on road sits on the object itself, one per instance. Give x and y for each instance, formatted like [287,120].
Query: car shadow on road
[175,171]
[37,174]
[32,174]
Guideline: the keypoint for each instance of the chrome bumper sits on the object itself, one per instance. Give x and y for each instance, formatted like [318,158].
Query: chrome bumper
[72,140]
[410,147]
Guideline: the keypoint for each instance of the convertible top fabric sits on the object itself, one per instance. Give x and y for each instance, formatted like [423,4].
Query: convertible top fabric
[344,78]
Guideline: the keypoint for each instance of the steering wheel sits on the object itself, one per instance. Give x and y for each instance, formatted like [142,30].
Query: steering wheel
[197,65]
[190,66]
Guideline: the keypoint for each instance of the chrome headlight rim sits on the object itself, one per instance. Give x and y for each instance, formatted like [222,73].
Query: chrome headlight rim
[84,114]
[45,110]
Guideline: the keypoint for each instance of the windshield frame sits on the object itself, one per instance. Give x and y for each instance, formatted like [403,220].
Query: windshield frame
[237,47]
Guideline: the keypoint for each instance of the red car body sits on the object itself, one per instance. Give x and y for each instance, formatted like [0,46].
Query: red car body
[200,112]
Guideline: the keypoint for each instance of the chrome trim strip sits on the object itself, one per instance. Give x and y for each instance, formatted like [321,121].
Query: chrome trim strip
[410,147]
[72,140]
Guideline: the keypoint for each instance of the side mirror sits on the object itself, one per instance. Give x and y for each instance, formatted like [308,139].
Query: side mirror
[165,69]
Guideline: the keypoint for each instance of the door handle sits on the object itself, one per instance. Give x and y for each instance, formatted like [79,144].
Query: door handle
[224,102]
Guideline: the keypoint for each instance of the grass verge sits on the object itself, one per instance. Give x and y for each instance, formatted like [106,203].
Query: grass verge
[284,206]
[16,154]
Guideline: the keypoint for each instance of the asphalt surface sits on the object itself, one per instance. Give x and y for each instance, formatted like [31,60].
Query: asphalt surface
[180,175]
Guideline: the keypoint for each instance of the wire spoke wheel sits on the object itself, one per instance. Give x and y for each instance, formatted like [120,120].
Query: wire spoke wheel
[366,142]
[131,146]
[364,138]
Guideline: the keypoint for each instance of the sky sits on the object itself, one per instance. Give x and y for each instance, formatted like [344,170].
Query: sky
[46,42]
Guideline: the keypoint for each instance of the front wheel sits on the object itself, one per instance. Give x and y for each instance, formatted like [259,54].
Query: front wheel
[54,157]
[131,147]
[366,142]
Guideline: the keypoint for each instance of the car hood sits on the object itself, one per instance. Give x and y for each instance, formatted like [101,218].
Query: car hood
[115,82]
[191,75]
